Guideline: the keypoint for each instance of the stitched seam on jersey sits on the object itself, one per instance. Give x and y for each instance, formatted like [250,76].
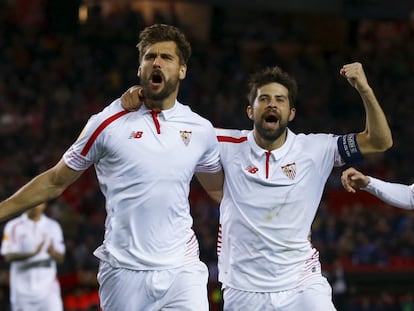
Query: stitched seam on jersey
[228,139]
[100,128]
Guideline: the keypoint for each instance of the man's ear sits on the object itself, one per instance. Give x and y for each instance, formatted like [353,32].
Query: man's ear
[139,72]
[292,114]
[249,111]
[183,72]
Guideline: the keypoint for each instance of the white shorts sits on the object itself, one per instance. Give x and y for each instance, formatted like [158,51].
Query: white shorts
[183,288]
[314,295]
[51,302]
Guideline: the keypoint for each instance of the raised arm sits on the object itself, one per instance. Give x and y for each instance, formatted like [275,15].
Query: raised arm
[44,187]
[394,194]
[377,134]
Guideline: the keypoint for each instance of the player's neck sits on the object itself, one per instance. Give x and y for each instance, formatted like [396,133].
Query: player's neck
[270,144]
[35,218]
[162,104]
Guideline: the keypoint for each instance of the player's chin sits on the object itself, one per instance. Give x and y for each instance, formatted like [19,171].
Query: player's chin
[271,126]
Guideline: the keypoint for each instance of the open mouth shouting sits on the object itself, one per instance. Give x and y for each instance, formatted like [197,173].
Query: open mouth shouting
[156,79]
[270,120]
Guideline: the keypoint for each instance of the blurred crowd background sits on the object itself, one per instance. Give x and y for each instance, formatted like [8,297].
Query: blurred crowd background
[62,61]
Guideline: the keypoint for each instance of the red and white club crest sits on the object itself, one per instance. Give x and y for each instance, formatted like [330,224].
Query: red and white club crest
[289,170]
[186,136]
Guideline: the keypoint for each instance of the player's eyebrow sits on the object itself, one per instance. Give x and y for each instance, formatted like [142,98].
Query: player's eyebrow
[277,96]
[281,96]
[150,55]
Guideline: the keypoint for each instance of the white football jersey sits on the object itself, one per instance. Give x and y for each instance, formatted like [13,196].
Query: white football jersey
[144,163]
[270,200]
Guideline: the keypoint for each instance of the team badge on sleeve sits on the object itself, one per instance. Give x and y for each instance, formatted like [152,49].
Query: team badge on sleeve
[289,170]
[186,136]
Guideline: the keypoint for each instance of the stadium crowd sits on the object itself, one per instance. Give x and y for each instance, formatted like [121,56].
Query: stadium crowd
[51,82]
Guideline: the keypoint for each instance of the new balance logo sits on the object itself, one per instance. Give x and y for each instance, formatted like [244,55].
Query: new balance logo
[252,169]
[136,134]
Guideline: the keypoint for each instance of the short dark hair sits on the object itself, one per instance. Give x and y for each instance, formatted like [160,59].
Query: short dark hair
[161,33]
[270,75]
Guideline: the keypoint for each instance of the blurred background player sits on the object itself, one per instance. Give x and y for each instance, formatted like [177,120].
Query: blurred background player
[33,245]
[395,194]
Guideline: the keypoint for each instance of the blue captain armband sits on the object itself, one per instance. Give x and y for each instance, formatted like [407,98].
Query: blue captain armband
[349,149]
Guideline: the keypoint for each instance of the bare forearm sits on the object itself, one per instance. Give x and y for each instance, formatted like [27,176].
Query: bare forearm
[18,256]
[42,188]
[38,190]
[212,184]
[377,135]
[377,131]
[57,256]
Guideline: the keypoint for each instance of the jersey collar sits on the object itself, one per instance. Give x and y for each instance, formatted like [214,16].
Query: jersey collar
[277,153]
[166,114]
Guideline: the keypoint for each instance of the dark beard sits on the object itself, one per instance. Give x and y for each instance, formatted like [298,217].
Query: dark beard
[270,135]
[169,87]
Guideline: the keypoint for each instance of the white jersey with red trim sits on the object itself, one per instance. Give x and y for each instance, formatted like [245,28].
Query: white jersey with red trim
[144,163]
[270,200]
[34,278]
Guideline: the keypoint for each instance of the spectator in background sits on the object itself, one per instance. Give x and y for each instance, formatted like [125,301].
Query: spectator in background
[33,245]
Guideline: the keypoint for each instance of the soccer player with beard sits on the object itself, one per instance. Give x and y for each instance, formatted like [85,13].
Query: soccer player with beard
[274,180]
[144,162]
